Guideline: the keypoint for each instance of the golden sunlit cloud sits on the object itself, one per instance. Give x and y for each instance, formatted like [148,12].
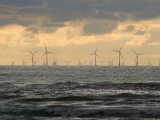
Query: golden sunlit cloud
[129,33]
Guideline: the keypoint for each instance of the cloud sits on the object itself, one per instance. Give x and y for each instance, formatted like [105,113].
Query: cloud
[76,33]
[136,29]
[36,12]
[20,3]
[46,27]
[106,9]
[99,27]
[140,32]
[154,38]
[130,28]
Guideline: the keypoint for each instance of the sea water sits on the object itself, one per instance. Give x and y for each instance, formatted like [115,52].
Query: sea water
[79,92]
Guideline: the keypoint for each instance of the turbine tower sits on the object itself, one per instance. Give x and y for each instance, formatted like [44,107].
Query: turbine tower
[119,55]
[95,57]
[137,57]
[32,54]
[46,54]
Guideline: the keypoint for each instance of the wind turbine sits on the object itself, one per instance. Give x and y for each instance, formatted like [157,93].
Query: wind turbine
[120,54]
[46,54]
[137,57]
[32,54]
[95,56]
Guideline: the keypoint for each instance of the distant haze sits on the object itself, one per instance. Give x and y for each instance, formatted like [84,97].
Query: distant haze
[75,28]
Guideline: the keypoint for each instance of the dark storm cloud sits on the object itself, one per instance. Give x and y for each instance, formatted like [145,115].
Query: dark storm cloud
[96,27]
[105,9]
[69,10]
[20,3]
[130,28]
[47,27]
[140,32]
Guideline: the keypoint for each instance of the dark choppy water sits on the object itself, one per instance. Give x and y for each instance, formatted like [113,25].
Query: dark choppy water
[67,93]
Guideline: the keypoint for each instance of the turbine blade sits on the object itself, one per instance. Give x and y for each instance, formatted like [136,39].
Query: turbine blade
[97,55]
[36,52]
[121,48]
[29,51]
[115,50]
[45,48]
[92,54]
[96,50]
[50,53]
[135,52]
[44,54]
[140,53]
[121,55]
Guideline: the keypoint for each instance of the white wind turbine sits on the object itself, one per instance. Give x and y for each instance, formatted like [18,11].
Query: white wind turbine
[95,57]
[119,55]
[46,54]
[32,54]
[137,57]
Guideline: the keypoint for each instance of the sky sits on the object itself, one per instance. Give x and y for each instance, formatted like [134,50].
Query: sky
[73,29]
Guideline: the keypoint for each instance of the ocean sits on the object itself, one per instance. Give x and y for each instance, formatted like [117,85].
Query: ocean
[79,93]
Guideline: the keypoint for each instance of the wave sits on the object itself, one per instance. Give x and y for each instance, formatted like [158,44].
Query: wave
[75,86]
[107,85]
[122,98]
[84,111]
[69,100]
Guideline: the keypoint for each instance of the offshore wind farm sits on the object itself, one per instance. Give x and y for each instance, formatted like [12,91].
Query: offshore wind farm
[79,59]
[91,91]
